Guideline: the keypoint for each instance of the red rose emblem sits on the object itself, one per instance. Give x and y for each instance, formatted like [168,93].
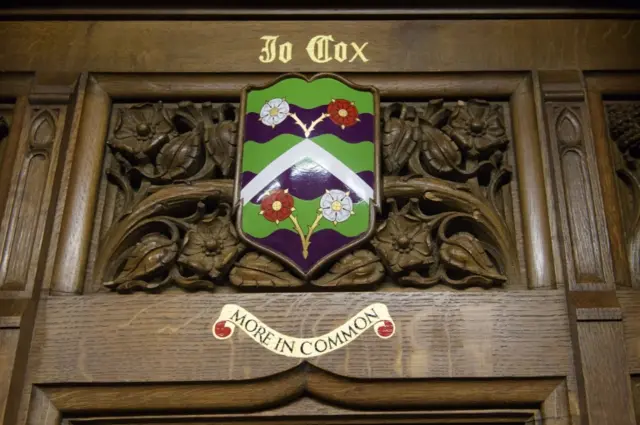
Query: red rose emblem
[343,113]
[277,206]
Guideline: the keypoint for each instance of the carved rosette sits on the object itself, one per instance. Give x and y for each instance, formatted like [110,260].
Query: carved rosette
[442,223]
[624,130]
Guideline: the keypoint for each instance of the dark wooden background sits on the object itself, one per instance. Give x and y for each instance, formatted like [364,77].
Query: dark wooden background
[558,347]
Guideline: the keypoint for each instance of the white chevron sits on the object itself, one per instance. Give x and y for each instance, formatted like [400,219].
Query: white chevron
[306,149]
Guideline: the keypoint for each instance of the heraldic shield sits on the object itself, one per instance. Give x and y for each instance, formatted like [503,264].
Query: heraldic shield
[308,169]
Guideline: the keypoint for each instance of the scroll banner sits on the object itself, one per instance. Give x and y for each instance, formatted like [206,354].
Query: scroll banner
[375,315]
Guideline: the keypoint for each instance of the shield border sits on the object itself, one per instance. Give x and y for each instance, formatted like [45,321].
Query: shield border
[375,205]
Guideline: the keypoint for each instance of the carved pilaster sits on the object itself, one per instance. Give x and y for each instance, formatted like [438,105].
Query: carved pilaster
[25,223]
[582,222]
[593,306]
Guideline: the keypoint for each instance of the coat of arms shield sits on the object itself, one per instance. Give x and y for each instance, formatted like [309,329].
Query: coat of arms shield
[308,169]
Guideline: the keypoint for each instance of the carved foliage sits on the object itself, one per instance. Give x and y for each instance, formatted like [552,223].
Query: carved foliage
[462,143]
[435,233]
[192,252]
[440,225]
[624,130]
[155,145]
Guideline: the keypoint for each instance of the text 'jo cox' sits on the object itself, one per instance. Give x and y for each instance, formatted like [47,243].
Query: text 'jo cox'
[320,49]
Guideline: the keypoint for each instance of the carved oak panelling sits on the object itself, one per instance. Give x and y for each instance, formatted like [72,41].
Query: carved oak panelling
[578,199]
[24,224]
[624,131]
[166,212]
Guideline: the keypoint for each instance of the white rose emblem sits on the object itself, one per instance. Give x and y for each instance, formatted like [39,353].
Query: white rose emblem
[336,206]
[274,112]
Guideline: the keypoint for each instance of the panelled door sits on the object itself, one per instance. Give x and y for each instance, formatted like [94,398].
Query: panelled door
[422,220]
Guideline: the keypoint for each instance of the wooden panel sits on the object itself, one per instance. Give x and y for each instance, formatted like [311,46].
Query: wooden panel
[630,303]
[263,394]
[305,395]
[604,376]
[635,384]
[440,335]
[462,45]
[8,348]
[225,87]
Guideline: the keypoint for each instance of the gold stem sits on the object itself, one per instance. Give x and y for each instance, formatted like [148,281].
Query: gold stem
[310,232]
[305,244]
[301,124]
[316,122]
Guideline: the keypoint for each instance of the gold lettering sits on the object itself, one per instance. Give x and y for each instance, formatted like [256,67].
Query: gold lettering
[318,48]
[268,52]
[340,51]
[285,52]
[359,52]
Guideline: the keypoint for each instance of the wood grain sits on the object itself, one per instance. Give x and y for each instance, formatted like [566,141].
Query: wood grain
[536,231]
[77,220]
[606,380]
[600,85]
[630,303]
[27,223]
[440,335]
[582,222]
[67,149]
[254,396]
[228,86]
[8,347]
[473,417]
[453,45]
[7,172]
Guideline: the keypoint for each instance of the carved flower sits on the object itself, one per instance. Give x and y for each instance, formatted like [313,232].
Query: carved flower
[277,206]
[141,128]
[210,247]
[624,128]
[274,112]
[336,206]
[343,113]
[477,126]
[404,242]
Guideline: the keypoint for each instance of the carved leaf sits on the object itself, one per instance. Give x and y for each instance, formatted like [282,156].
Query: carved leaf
[360,268]
[441,153]
[178,157]
[153,253]
[465,252]
[399,137]
[259,270]
[222,143]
